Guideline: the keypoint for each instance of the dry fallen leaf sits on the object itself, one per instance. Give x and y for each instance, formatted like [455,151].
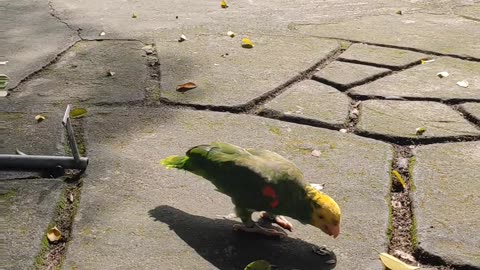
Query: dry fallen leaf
[316,153]
[399,12]
[443,74]
[186,86]
[424,61]
[259,265]
[78,113]
[395,264]
[134,15]
[419,131]
[182,38]
[54,234]
[40,118]
[463,83]
[230,34]
[399,178]
[224,4]
[247,43]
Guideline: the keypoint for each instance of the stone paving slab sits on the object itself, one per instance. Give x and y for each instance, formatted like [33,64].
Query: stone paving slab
[31,38]
[422,81]
[27,208]
[82,75]
[347,74]
[393,58]
[312,100]
[472,108]
[402,118]
[471,12]
[446,201]
[411,30]
[240,76]
[136,214]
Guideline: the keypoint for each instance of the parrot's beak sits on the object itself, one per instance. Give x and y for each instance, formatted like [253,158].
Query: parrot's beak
[333,230]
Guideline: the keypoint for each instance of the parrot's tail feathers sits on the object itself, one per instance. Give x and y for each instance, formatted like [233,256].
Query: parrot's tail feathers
[177,162]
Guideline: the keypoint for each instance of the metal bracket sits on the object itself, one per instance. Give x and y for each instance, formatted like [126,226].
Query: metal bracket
[54,163]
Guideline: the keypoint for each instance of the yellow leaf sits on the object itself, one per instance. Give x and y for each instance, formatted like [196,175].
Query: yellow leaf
[395,264]
[40,118]
[54,234]
[78,113]
[247,43]
[224,4]
[419,131]
[186,86]
[399,178]
[259,265]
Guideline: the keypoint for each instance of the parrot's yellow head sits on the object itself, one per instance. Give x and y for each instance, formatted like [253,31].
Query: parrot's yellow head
[326,212]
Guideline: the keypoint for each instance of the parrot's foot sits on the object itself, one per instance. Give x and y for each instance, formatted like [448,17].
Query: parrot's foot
[280,220]
[256,228]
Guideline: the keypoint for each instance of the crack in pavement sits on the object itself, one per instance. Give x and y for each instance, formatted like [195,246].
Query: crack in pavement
[52,12]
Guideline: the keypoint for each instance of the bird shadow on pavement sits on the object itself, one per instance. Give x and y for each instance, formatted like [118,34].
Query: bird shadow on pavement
[215,241]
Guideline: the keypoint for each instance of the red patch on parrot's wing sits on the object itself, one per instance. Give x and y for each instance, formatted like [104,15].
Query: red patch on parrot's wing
[275,203]
[268,191]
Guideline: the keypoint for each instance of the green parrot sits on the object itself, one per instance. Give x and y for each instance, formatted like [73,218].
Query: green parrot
[263,181]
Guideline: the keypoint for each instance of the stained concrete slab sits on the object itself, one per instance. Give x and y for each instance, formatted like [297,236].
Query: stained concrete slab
[27,207]
[392,58]
[82,75]
[416,30]
[402,118]
[348,74]
[243,74]
[312,100]
[115,18]
[446,201]
[136,214]
[19,130]
[31,38]
[472,108]
[471,12]
[422,81]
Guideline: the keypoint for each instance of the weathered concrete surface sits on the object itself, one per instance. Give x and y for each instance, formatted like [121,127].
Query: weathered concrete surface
[393,58]
[115,18]
[240,76]
[348,74]
[136,214]
[411,30]
[81,75]
[471,12]
[27,207]
[422,81]
[446,201]
[402,118]
[473,109]
[312,100]
[31,38]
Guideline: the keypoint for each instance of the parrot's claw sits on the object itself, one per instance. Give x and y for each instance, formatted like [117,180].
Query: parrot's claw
[272,232]
[280,220]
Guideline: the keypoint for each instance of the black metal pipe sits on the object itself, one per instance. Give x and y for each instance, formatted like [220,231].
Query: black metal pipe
[32,162]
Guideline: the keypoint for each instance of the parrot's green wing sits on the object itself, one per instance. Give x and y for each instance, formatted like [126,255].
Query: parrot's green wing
[266,164]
